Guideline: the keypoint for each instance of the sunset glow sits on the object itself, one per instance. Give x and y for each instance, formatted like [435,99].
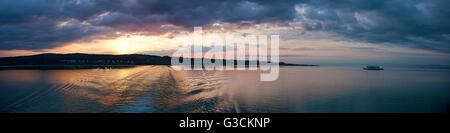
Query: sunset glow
[224,65]
[308,31]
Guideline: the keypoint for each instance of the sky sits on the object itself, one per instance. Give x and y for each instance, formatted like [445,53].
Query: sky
[311,31]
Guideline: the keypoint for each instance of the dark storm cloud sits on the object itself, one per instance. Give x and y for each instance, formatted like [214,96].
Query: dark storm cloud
[411,23]
[36,24]
[39,24]
[42,34]
[189,13]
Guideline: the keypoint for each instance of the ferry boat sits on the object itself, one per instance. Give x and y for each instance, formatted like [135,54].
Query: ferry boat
[373,68]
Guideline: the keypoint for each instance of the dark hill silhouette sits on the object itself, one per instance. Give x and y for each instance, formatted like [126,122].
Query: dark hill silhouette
[85,59]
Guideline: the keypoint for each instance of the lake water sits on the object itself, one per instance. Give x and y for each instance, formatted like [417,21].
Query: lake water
[162,89]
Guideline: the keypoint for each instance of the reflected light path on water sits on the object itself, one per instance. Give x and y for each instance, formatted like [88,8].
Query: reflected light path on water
[162,89]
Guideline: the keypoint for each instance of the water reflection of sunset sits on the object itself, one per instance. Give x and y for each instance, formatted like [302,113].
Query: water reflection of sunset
[112,88]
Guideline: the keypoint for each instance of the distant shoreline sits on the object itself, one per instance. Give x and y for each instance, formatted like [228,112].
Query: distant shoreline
[88,61]
[51,67]
[69,67]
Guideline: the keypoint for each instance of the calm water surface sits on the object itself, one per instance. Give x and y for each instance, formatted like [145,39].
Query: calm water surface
[162,89]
